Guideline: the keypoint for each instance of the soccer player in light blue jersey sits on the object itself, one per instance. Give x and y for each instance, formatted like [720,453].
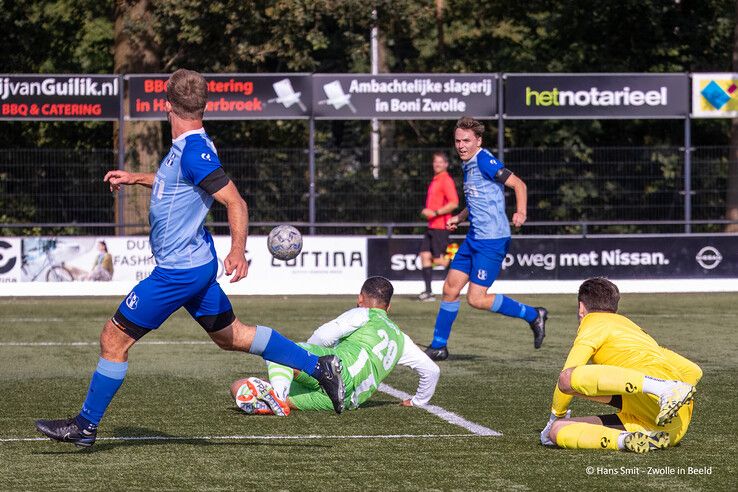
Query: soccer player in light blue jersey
[189,179]
[480,256]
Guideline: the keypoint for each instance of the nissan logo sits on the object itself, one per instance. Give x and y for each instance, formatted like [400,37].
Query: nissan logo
[709,257]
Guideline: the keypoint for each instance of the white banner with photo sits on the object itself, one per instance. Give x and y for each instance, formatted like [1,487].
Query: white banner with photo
[10,259]
[58,266]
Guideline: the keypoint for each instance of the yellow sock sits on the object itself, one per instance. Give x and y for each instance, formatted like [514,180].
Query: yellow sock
[597,380]
[587,436]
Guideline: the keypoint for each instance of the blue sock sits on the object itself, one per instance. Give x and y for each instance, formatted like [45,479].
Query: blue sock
[444,322]
[510,307]
[104,384]
[272,346]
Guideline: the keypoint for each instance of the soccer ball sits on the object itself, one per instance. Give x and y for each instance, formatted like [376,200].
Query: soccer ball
[247,398]
[284,242]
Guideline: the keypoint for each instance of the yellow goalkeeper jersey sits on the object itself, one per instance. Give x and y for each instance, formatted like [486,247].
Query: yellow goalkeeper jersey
[614,340]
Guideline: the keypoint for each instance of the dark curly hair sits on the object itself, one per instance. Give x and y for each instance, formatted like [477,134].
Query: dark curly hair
[378,288]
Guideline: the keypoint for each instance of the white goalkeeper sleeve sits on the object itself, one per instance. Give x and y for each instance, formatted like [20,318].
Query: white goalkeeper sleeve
[329,334]
[428,371]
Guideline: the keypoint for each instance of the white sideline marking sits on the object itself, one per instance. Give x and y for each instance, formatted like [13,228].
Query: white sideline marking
[446,415]
[85,344]
[244,438]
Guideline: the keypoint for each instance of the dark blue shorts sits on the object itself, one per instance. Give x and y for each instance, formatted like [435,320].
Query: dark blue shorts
[155,298]
[481,259]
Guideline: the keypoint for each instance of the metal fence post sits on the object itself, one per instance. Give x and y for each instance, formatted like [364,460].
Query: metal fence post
[500,121]
[687,174]
[311,160]
[121,154]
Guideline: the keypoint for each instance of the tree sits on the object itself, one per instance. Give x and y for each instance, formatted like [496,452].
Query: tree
[129,36]
[59,36]
[136,50]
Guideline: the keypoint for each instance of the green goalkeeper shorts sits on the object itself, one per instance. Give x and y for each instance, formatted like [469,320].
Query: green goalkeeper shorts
[306,394]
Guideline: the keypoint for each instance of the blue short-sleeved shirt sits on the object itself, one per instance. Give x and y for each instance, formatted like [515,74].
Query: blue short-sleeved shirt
[179,206]
[485,197]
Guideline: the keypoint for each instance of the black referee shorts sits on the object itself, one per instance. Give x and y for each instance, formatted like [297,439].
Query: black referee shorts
[435,241]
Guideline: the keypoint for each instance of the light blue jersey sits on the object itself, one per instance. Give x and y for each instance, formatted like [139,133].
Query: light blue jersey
[179,206]
[485,197]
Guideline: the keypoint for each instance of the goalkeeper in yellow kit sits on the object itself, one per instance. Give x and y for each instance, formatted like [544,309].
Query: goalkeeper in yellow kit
[650,385]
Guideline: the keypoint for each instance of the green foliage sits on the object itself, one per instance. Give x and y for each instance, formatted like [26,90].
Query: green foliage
[68,36]
[61,36]
[332,36]
[48,185]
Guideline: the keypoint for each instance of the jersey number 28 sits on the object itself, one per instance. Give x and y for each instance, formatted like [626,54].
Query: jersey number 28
[385,350]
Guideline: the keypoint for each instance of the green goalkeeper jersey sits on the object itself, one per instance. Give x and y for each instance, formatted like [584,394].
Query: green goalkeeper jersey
[369,345]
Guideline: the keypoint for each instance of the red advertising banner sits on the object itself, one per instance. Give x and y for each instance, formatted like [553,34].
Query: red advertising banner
[59,97]
[230,96]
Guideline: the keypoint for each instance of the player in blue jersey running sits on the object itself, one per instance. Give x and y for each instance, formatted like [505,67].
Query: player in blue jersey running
[189,179]
[480,256]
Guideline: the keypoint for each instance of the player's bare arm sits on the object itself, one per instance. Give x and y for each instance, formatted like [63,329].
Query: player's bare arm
[118,177]
[238,220]
[521,199]
[453,223]
[446,209]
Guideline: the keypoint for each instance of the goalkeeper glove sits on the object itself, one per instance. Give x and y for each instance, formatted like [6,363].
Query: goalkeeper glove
[545,439]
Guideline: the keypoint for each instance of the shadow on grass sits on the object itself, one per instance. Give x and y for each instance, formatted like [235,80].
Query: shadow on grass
[458,357]
[379,403]
[139,436]
[367,404]
[466,357]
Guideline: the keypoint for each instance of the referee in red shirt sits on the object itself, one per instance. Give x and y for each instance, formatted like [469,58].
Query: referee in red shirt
[440,201]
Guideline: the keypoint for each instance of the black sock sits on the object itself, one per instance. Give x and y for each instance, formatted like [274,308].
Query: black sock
[427,273]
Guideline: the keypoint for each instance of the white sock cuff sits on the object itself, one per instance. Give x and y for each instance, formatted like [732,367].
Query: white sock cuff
[621,440]
[654,386]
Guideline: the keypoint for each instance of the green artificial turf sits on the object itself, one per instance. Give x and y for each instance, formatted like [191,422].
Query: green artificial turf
[179,393]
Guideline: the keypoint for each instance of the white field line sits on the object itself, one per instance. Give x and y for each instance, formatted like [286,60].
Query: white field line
[247,437]
[101,321]
[86,344]
[446,415]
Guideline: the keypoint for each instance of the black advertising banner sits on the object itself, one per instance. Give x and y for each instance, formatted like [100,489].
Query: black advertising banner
[562,96]
[230,96]
[59,97]
[562,258]
[404,96]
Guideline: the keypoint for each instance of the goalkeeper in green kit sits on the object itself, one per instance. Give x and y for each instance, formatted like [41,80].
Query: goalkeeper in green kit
[369,345]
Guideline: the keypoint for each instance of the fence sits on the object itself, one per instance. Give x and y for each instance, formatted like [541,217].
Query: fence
[624,189]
